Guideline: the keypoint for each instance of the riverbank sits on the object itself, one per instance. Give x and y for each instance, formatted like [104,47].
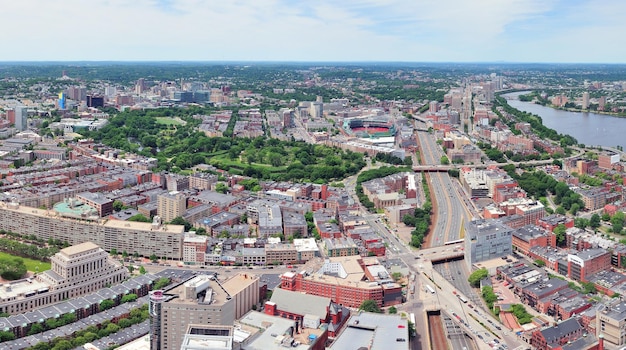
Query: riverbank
[587,128]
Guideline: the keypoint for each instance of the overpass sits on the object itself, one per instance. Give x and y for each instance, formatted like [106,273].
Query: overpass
[443,254]
[442,168]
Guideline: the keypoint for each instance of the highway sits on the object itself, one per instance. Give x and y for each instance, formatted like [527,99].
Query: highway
[449,201]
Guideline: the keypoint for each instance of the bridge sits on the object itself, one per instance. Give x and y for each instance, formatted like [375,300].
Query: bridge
[442,254]
[442,168]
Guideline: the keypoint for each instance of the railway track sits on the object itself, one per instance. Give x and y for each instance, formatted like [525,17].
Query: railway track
[436,332]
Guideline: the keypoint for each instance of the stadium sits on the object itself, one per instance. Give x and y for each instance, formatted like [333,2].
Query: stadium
[369,127]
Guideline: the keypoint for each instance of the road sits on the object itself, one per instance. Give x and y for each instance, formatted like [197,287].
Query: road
[449,201]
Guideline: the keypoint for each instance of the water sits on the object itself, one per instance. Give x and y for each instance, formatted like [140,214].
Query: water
[591,129]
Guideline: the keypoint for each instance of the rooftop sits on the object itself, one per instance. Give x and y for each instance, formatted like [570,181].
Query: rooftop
[300,303]
[79,249]
[373,331]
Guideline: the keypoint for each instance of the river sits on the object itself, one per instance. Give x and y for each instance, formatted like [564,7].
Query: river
[591,129]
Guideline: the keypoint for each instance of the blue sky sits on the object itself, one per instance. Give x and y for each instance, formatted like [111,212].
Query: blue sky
[587,31]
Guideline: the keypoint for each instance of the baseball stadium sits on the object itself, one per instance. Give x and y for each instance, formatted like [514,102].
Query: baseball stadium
[369,127]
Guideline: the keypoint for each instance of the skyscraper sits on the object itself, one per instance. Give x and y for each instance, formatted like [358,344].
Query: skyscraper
[61,101]
[21,115]
[585,104]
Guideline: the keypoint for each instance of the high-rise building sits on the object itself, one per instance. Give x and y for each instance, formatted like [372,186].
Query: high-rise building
[95,101]
[140,86]
[110,91]
[61,101]
[203,300]
[585,104]
[171,205]
[21,116]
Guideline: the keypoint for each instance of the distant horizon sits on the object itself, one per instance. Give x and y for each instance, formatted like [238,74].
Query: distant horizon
[450,31]
[311,62]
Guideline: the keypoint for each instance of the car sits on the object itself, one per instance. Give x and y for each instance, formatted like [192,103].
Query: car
[499,328]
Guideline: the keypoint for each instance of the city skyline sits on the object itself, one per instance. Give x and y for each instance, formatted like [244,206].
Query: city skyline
[552,31]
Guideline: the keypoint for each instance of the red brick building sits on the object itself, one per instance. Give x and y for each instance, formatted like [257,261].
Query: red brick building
[552,221]
[532,236]
[586,263]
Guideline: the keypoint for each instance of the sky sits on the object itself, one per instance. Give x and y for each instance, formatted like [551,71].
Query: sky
[567,31]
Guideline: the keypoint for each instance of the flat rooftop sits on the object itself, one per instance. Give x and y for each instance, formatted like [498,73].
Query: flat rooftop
[239,282]
[274,331]
[373,331]
[79,248]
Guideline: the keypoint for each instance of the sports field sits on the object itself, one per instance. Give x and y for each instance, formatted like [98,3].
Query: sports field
[170,121]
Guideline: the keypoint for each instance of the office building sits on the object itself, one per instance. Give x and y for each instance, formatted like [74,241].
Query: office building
[348,281]
[582,265]
[21,118]
[485,240]
[76,270]
[203,300]
[95,101]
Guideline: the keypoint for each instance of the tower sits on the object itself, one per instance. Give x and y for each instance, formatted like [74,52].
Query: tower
[154,308]
[21,115]
[585,104]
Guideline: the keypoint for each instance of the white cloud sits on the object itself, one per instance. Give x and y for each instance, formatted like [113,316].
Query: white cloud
[359,30]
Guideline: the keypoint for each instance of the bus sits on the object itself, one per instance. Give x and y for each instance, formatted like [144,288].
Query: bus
[430,289]
[454,242]
[462,298]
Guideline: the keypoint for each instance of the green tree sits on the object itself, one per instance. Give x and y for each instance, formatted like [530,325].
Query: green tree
[36,328]
[118,205]
[559,232]
[161,283]
[393,310]
[63,345]
[142,270]
[179,220]
[129,298]
[476,276]
[139,218]
[106,304]
[396,276]
[540,262]
[594,221]
[153,258]
[12,268]
[444,160]
[221,187]
[369,305]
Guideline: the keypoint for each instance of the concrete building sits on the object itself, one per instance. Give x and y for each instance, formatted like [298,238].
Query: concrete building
[344,246]
[21,118]
[485,240]
[101,203]
[203,300]
[75,271]
[143,238]
[367,330]
[611,323]
[171,205]
[260,331]
[213,337]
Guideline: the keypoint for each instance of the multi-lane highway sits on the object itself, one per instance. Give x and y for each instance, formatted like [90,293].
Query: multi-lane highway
[450,205]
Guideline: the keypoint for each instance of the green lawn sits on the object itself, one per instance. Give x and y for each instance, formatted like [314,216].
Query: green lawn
[31,265]
[169,121]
